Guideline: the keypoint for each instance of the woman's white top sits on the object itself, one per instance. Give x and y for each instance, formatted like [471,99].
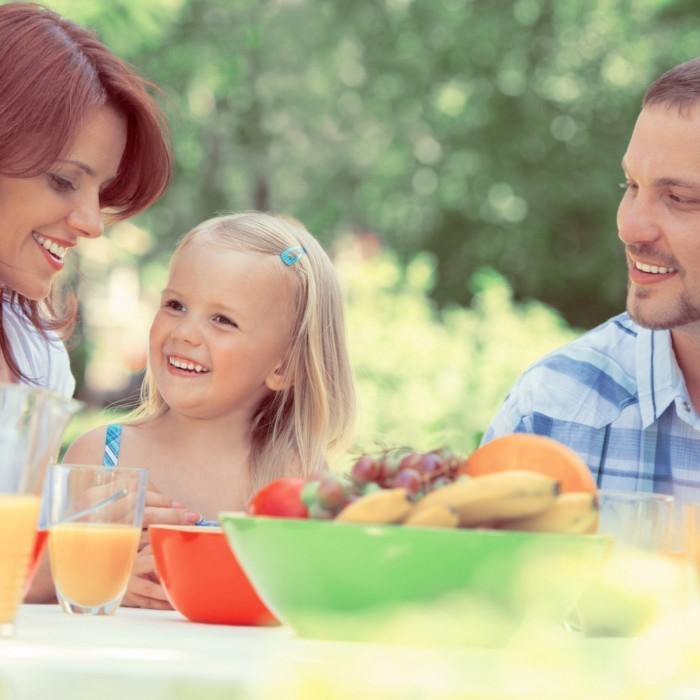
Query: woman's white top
[44,360]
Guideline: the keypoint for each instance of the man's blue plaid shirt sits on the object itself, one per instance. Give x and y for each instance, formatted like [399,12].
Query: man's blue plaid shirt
[617,397]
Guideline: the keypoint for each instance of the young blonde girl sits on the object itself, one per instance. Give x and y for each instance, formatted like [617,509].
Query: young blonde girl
[248,378]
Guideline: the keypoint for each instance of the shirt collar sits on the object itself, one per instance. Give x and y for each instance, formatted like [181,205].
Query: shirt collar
[659,378]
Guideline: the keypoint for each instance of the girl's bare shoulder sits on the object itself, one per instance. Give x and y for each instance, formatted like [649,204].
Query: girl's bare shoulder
[87,448]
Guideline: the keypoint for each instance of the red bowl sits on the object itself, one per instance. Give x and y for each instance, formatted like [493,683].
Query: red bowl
[202,577]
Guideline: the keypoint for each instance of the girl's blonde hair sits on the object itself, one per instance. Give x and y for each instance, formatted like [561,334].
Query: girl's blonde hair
[295,429]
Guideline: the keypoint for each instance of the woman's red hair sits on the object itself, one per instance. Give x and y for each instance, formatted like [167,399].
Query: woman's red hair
[52,73]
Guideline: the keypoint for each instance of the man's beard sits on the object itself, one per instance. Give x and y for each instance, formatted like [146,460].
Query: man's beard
[680,313]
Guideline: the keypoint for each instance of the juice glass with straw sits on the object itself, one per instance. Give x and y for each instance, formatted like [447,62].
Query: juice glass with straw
[95,516]
[32,423]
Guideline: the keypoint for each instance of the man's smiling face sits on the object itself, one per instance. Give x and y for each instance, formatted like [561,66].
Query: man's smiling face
[658,218]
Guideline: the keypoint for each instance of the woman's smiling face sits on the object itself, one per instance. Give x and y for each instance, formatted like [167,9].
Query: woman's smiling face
[42,217]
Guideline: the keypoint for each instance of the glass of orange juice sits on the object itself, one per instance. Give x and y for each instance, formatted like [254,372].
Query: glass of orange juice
[95,516]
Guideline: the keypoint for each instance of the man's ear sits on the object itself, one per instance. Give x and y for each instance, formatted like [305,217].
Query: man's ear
[276,381]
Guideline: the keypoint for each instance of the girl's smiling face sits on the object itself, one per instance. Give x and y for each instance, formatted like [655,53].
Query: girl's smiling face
[219,339]
[42,217]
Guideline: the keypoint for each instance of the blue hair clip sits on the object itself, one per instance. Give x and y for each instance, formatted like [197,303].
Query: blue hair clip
[291,255]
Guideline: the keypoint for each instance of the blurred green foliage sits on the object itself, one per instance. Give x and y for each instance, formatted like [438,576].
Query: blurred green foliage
[487,133]
[478,141]
[430,377]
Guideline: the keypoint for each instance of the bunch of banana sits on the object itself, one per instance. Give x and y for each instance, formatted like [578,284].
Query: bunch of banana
[573,513]
[492,498]
[382,506]
[511,500]
[387,506]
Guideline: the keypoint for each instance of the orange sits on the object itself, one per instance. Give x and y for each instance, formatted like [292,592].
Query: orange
[535,453]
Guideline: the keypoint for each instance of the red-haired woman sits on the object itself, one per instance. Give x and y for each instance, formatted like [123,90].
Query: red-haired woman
[82,141]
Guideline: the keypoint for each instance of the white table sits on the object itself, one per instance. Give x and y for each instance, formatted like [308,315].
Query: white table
[153,654]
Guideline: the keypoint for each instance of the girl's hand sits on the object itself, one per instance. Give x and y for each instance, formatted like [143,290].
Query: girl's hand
[144,589]
[162,510]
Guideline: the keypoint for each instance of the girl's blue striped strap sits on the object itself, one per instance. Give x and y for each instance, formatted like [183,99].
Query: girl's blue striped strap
[112,444]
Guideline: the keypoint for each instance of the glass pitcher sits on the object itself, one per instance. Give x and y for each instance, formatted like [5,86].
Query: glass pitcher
[32,424]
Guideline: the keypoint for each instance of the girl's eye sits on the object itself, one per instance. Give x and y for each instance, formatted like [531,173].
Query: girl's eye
[173,304]
[60,184]
[225,321]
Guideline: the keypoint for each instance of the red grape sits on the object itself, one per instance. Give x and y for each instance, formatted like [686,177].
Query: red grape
[409,460]
[429,463]
[365,470]
[350,499]
[330,493]
[388,466]
[408,479]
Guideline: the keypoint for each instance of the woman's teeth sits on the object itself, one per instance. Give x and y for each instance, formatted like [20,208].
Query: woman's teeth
[186,364]
[58,251]
[654,269]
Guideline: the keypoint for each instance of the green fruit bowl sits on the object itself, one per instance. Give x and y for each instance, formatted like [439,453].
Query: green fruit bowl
[412,585]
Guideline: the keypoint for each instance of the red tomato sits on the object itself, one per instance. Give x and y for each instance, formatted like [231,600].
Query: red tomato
[281,498]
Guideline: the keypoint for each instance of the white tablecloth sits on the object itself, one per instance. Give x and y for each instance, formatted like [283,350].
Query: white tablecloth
[153,654]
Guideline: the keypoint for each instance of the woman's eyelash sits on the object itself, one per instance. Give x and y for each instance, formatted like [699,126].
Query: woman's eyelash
[60,183]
